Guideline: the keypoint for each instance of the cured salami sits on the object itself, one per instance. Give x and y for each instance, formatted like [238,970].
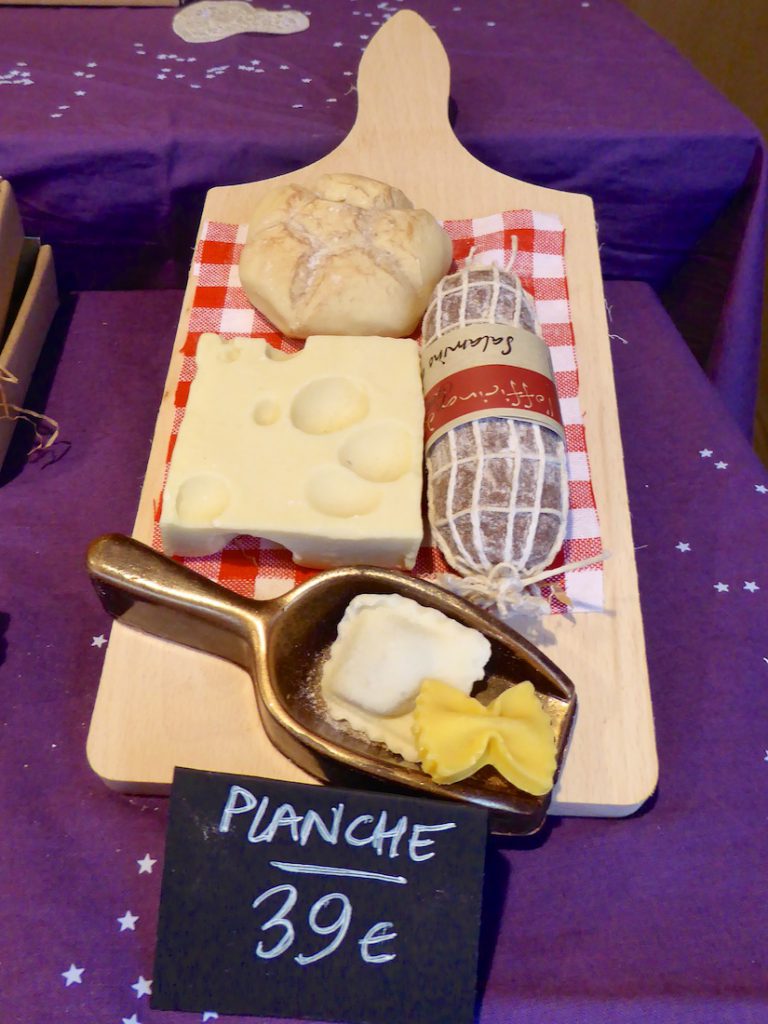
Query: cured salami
[497,486]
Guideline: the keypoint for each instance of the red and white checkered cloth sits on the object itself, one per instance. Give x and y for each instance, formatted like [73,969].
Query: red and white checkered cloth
[258,568]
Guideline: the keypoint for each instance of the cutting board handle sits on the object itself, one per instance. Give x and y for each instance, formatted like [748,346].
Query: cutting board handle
[403,85]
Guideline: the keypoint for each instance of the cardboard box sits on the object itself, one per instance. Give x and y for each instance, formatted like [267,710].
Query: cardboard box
[20,348]
[11,241]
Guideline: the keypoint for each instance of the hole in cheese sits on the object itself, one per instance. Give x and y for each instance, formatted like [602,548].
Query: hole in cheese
[381,453]
[335,491]
[265,412]
[327,405]
[201,499]
[277,355]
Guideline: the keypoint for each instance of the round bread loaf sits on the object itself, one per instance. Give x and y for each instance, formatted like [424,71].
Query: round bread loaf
[348,256]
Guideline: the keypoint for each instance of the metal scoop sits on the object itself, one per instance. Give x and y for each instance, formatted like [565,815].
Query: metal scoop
[283,642]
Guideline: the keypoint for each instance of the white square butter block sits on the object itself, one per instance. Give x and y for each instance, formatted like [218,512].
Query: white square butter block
[320,451]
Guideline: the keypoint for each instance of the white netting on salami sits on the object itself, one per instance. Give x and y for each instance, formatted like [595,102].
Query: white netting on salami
[497,487]
[478,295]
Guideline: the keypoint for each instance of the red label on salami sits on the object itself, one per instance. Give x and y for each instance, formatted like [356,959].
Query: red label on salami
[488,370]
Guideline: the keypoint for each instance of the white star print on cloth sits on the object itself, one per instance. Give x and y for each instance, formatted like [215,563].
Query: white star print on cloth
[761,489]
[721,588]
[751,586]
[16,77]
[721,465]
[133,1019]
[73,975]
[128,921]
[683,546]
[98,641]
[706,453]
[143,987]
[146,864]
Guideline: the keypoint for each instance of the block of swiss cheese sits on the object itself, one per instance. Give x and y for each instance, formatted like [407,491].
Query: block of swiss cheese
[320,451]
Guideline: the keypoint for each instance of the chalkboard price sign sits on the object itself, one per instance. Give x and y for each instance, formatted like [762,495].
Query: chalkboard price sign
[290,900]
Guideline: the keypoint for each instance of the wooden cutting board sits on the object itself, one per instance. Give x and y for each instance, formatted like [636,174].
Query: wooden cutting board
[161,705]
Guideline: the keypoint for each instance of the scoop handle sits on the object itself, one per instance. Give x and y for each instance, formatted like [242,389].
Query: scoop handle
[149,591]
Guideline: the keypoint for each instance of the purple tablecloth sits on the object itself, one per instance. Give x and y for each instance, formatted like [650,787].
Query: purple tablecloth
[658,918]
[113,129]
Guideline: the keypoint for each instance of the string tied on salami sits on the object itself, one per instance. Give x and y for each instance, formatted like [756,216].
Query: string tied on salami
[505,591]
